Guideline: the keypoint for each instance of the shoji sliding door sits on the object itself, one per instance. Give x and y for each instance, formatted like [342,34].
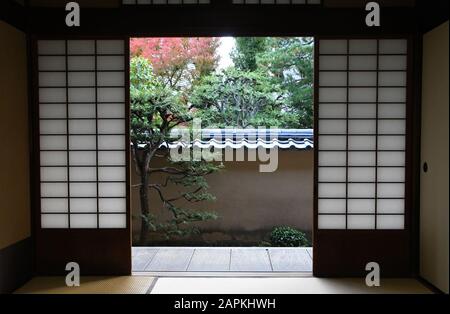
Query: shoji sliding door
[83,155]
[361,189]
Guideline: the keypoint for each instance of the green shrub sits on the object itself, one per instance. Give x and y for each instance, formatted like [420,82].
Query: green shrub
[288,237]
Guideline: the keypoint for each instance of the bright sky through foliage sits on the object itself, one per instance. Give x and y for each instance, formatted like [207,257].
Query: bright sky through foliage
[226,46]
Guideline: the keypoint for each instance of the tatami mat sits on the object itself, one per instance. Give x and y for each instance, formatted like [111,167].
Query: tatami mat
[284,286]
[89,285]
[186,285]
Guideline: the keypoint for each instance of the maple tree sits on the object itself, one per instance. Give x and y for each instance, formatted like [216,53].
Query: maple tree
[163,72]
[156,109]
[180,62]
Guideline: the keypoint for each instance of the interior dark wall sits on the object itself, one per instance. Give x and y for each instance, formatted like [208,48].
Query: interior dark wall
[15,230]
[434,209]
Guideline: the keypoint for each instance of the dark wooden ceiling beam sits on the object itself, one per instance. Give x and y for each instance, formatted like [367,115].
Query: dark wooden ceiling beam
[236,21]
[224,19]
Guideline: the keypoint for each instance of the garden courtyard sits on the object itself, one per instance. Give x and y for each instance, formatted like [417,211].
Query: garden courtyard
[238,89]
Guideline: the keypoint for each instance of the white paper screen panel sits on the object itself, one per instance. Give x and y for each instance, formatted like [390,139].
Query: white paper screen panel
[362,133]
[82,127]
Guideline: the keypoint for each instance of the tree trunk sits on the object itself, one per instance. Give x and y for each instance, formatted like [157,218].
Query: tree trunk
[145,208]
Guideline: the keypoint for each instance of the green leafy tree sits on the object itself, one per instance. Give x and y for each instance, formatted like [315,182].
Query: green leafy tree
[156,109]
[239,99]
[246,50]
[289,63]
[271,84]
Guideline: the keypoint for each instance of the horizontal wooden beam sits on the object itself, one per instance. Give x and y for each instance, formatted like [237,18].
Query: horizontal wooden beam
[221,21]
